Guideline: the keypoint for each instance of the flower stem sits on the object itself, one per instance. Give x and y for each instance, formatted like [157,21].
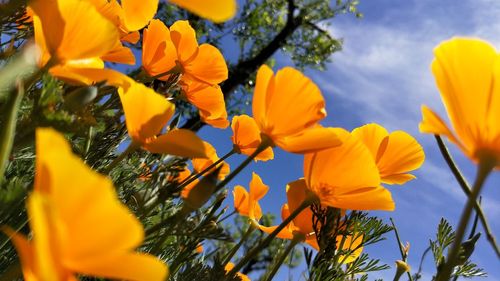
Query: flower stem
[130,148]
[204,171]
[276,266]
[484,169]
[311,199]
[236,247]
[243,164]
[400,244]
[466,189]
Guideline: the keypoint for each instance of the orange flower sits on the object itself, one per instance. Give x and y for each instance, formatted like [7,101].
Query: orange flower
[201,68]
[200,164]
[78,224]
[242,276]
[246,204]
[246,137]
[287,108]
[62,37]
[302,225]
[202,63]
[146,114]
[346,177]
[395,154]
[466,73]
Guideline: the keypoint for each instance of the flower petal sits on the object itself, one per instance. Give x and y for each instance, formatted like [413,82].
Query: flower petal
[402,154]
[208,66]
[292,95]
[395,153]
[158,51]
[184,39]
[146,112]
[310,140]
[240,196]
[260,95]
[210,101]
[296,193]
[179,142]
[463,69]
[91,197]
[433,124]
[136,14]
[129,266]
[215,10]
[65,35]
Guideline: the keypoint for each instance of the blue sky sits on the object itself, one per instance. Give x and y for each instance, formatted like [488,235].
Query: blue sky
[383,76]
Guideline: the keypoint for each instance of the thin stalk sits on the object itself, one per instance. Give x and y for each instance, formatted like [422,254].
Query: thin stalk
[9,128]
[236,247]
[484,169]
[204,171]
[264,243]
[227,216]
[130,148]
[467,190]
[282,257]
[400,244]
[243,164]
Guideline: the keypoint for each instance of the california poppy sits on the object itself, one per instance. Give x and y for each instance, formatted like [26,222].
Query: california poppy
[287,108]
[246,137]
[175,51]
[467,72]
[101,242]
[146,114]
[247,203]
[60,33]
[346,176]
[396,153]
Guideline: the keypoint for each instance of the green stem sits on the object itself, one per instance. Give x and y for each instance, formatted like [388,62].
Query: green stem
[204,171]
[400,244]
[467,190]
[130,148]
[263,146]
[236,247]
[9,126]
[484,169]
[276,266]
[311,199]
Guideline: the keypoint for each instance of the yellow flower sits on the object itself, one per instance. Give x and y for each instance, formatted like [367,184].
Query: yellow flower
[395,154]
[146,114]
[246,137]
[467,73]
[78,224]
[347,176]
[287,108]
